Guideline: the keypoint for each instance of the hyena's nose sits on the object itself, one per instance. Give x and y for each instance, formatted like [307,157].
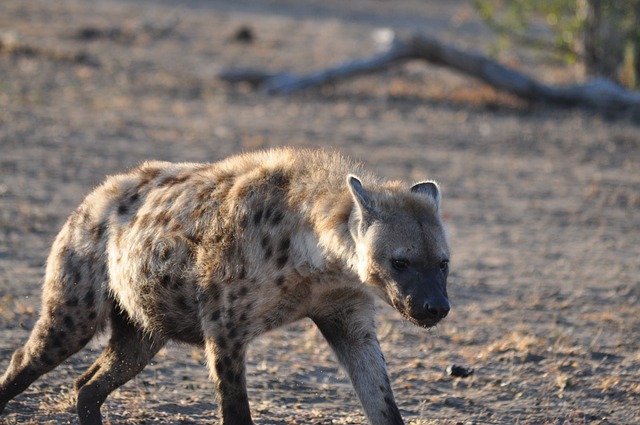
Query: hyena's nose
[438,309]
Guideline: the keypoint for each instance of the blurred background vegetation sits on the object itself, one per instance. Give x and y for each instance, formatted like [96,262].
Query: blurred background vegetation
[603,35]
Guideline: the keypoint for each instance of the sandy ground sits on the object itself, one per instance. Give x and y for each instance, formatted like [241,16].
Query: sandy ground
[543,204]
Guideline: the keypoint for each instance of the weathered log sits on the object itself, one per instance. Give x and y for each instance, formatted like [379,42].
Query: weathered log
[599,93]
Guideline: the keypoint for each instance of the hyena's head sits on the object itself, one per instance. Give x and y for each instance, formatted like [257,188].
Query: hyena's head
[402,250]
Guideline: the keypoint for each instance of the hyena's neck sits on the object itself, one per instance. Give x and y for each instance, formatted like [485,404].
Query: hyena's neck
[329,214]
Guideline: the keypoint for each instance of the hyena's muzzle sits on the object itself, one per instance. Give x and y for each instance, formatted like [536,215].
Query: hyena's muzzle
[423,298]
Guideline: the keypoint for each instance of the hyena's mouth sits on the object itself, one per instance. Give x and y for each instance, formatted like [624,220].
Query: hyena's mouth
[424,319]
[424,323]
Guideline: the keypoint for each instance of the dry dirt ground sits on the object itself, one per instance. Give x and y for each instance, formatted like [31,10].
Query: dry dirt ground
[543,204]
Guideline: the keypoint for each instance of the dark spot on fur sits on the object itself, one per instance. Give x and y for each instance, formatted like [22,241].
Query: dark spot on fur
[203,195]
[280,280]
[85,217]
[147,175]
[89,298]
[267,213]
[284,244]
[384,414]
[225,179]
[232,297]
[68,322]
[177,283]
[226,361]
[257,216]
[194,239]
[282,260]
[123,209]
[72,302]
[98,231]
[163,218]
[233,332]
[268,253]
[92,315]
[77,275]
[277,218]
[172,180]
[215,316]
[165,280]
[243,291]
[182,303]
[243,317]
[73,218]
[221,342]
[249,305]
[280,180]
[176,227]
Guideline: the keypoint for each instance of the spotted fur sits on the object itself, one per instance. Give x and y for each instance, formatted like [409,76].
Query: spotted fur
[217,254]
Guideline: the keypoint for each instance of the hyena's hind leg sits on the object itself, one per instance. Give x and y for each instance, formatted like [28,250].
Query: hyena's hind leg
[128,352]
[72,311]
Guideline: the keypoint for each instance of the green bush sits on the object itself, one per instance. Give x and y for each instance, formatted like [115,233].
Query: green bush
[604,35]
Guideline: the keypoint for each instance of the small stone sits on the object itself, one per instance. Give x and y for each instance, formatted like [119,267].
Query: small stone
[459,371]
[530,357]
[244,34]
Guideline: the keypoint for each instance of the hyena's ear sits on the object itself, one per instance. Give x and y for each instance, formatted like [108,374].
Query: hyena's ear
[361,197]
[430,189]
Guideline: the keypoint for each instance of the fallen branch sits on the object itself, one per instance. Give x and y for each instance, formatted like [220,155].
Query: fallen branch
[599,94]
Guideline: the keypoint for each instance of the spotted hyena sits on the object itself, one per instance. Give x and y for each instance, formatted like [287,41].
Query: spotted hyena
[217,254]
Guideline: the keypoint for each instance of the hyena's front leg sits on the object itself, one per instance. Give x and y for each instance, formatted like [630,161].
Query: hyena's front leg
[226,360]
[349,328]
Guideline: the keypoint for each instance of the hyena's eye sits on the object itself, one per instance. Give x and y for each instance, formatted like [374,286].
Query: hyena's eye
[400,264]
[444,266]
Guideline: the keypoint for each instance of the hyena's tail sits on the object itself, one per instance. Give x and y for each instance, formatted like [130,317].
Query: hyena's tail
[74,306]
